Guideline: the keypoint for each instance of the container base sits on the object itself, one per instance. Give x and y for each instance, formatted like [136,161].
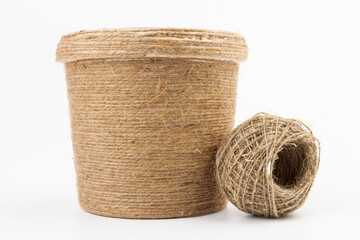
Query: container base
[160,215]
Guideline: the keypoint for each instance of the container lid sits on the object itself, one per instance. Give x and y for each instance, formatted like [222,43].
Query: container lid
[152,42]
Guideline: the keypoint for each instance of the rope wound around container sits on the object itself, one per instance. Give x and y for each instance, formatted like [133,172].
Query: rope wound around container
[267,165]
[148,109]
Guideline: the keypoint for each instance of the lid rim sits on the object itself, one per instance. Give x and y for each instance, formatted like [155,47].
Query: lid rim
[135,43]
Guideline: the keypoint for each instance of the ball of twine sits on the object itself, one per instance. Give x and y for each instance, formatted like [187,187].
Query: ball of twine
[267,165]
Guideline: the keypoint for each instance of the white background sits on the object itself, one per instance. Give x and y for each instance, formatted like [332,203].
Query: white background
[304,62]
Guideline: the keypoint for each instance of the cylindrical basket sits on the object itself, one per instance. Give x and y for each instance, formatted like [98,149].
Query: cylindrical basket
[148,110]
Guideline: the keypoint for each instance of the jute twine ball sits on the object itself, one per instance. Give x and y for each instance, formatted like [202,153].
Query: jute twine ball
[267,165]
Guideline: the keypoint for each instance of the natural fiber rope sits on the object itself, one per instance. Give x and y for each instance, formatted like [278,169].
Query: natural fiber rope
[145,129]
[267,165]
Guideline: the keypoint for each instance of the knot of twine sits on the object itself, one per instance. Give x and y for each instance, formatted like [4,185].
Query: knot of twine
[267,165]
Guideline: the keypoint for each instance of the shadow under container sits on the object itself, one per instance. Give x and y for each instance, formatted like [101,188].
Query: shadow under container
[148,110]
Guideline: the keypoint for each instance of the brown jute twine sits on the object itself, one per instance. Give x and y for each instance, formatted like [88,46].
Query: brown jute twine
[267,165]
[148,110]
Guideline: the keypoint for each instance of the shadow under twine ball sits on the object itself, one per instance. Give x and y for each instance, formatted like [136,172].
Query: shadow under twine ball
[267,165]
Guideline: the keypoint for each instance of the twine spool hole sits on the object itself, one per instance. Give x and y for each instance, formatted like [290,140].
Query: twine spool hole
[290,165]
[267,165]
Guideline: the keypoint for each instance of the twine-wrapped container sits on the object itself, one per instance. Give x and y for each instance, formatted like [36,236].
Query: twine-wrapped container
[148,110]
